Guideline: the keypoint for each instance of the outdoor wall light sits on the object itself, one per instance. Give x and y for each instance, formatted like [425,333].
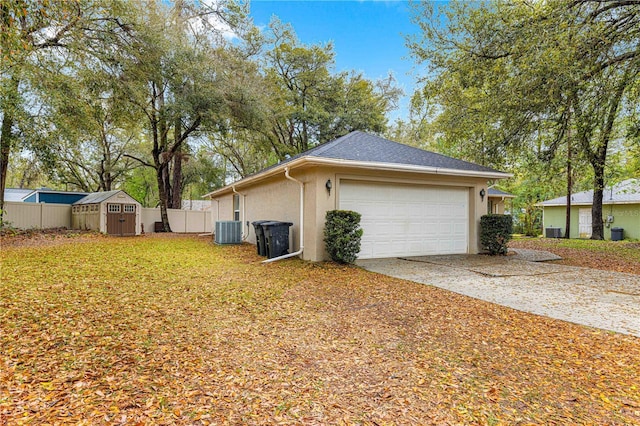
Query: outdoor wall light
[328,185]
[482,194]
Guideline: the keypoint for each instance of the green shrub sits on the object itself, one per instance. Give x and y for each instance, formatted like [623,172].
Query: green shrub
[495,233]
[342,235]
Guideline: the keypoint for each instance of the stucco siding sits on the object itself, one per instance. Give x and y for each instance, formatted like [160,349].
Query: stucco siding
[625,216]
[278,198]
[275,199]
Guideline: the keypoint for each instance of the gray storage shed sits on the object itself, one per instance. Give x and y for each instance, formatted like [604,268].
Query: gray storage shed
[111,212]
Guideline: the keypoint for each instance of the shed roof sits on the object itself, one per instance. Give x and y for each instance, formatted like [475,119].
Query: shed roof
[16,194]
[360,149]
[53,191]
[98,197]
[625,192]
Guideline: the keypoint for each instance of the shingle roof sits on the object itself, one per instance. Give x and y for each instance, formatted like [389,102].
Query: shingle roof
[370,151]
[627,191]
[97,197]
[497,193]
[360,146]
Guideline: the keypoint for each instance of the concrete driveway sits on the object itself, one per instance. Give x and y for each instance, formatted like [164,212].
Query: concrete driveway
[601,299]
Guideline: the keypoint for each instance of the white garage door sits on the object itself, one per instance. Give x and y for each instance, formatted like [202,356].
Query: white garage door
[408,220]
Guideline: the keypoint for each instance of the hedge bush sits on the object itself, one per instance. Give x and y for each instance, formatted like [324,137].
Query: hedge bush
[342,235]
[495,233]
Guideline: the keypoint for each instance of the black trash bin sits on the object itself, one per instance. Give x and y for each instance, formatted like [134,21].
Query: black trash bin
[617,234]
[261,243]
[276,235]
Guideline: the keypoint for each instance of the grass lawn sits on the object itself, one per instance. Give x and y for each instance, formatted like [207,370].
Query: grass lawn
[176,330]
[620,256]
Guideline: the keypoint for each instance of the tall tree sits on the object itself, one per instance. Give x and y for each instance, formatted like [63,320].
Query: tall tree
[178,74]
[311,103]
[34,37]
[89,128]
[513,73]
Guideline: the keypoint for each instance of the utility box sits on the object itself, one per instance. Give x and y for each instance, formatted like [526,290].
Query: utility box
[276,235]
[552,232]
[617,234]
[228,232]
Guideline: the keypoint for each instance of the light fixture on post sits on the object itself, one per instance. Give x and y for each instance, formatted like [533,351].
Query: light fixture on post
[482,194]
[328,186]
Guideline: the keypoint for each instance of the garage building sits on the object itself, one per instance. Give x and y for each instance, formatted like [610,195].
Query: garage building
[413,202]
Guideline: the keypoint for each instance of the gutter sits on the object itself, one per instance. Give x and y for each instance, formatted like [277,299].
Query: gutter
[285,256]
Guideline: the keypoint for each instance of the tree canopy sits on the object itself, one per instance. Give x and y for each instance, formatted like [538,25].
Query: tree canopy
[514,77]
[94,91]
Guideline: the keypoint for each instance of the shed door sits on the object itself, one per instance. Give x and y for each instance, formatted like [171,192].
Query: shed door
[408,220]
[121,219]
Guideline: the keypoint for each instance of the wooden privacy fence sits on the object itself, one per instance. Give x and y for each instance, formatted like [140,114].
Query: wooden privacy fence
[47,215]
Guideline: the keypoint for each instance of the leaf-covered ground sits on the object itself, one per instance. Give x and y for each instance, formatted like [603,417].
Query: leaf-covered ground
[619,256]
[179,331]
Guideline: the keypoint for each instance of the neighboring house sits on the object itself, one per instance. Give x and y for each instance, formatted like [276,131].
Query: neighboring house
[413,202]
[46,195]
[497,201]
[111,212]
[620,209]
[16,195]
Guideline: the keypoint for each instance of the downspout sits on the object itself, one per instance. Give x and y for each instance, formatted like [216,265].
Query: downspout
[299,252]
[244,235]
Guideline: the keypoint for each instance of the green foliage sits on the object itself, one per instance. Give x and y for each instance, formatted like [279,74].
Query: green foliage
[342,234]
[495,233]
[551,79]
[312,104]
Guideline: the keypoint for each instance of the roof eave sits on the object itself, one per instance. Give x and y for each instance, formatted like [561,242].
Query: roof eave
[589,203]
[367,165]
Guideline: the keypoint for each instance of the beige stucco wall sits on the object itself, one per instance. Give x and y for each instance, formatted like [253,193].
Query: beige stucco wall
[278,198]
[499,204]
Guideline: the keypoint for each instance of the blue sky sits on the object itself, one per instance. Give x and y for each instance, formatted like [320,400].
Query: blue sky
[367,36]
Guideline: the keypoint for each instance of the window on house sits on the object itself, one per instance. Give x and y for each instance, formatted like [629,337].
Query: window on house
[236,207]
[113,208]
[129,208]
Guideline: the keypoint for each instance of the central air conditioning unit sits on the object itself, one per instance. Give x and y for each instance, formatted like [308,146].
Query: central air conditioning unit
[228,232]
[552,232]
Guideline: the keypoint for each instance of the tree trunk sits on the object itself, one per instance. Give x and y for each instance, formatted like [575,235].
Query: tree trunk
[159,153]
[176,193]
[597,226]
[162,195]
[567,231]
[5,150]
[599,159]
[6,137]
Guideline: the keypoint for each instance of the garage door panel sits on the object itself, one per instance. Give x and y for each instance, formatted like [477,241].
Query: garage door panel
[408,220]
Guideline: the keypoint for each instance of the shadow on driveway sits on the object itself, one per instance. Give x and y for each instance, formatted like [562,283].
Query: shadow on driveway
[601,299]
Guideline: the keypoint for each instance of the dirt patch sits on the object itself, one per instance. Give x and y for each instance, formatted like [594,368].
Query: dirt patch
[10,237]
[603,255]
